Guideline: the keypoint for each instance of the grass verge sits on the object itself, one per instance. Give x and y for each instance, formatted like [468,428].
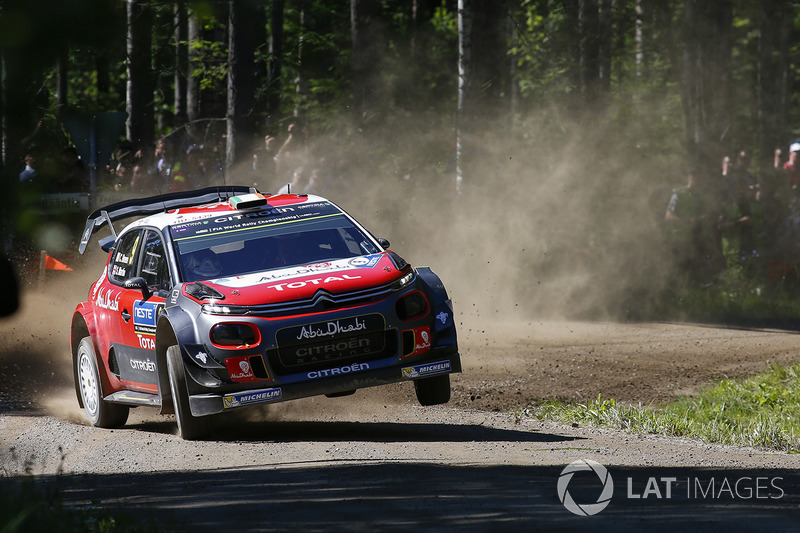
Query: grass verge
[761,411]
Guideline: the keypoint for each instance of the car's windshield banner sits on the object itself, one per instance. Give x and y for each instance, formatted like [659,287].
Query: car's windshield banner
[222,228]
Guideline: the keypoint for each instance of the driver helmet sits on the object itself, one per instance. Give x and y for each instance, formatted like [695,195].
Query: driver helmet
[204,264]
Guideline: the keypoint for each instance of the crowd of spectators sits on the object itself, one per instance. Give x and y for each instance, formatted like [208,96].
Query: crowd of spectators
[734,220]
[177,163]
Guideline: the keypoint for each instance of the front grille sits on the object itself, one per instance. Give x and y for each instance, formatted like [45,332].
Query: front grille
[326,344]
[321,301]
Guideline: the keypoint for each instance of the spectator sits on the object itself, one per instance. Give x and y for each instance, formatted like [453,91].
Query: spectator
[691,228]
[737,224]
[74,176]
[792,166]
[143,181]
[164,156]
[188,174]
[30,174]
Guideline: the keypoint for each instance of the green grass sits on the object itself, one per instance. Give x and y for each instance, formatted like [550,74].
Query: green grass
[762,411]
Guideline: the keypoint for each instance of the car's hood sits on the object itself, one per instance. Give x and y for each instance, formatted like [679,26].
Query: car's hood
[301,282]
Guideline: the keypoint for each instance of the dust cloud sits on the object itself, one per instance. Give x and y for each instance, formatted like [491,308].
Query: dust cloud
[543,227]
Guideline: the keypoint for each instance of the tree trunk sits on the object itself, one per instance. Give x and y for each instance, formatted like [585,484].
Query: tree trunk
[465,15]
[103,76]
[193,98]
[589,47]
[181,64]
[774,23]
[605,40]
[62,79]
[707,83]
[139,93]
[275,61]
[241,79]
[367,46]
[484,80]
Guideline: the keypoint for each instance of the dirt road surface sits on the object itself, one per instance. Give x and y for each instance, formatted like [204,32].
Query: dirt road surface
[376,460]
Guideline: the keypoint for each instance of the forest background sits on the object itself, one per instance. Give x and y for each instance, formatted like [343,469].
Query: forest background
[529,147]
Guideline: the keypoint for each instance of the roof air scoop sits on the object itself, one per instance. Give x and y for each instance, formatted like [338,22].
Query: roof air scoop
[248,201]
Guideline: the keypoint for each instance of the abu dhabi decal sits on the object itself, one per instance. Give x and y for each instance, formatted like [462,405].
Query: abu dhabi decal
[98,284]
[251,397]
[332,328]
[107,299]
[240,369]
[320,333]
[428,369]
[145,315]
[422,341]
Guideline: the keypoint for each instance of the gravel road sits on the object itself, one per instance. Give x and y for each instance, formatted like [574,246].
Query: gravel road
[377,460]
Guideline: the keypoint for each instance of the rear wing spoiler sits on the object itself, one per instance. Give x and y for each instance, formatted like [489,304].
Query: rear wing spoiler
[141,207]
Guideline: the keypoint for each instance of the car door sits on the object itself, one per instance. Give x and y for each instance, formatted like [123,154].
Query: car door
[134,346]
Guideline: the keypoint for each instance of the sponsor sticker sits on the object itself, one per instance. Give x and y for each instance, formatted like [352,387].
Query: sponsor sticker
[330,329]
[365,261]
[355,367]
[428,369]
[422,341]
[107,299]
[239,369]
[145,315]
[251,397]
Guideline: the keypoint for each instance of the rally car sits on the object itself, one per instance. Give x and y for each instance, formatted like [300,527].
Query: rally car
[222,298]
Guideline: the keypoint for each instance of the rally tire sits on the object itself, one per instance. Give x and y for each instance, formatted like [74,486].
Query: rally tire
[434,390]
[100,412]
[190,427]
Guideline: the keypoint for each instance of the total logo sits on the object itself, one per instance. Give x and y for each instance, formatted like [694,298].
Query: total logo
[316,281]
[146,342]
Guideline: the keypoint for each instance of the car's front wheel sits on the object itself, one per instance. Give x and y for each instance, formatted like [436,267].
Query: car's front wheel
[100,412]
[190,427]
[434,390]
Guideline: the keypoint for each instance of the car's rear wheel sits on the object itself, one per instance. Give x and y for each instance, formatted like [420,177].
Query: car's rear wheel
[434,390]
[190,427]
[100,412]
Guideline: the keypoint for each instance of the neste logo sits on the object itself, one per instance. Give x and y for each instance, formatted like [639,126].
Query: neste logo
[585,509]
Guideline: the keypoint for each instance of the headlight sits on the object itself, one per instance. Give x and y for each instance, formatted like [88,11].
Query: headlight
[229,334]
[414,305]
[217,309]
[403,282]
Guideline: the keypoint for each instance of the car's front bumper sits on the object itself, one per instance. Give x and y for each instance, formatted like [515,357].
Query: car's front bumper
[333,381]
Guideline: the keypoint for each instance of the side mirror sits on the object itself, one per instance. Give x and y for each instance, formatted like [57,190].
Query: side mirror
[138,283]
[106,243]
[384,243]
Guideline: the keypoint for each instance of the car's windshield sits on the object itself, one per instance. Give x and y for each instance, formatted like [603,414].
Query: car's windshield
[239,243]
